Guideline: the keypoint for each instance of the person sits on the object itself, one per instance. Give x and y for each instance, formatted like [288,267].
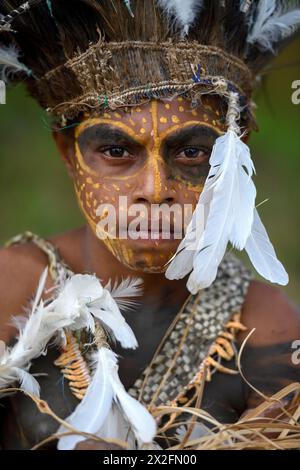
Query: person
[149,100]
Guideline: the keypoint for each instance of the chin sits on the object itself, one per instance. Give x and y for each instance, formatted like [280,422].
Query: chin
[145,264]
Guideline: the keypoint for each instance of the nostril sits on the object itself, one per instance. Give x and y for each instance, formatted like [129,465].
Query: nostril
[140,200]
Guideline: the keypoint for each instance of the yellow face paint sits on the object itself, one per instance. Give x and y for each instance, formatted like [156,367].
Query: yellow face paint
[148,126]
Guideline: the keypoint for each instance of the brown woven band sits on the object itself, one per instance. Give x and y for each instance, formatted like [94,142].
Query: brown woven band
[126,73]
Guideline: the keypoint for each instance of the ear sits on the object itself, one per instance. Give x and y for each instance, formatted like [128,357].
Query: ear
[246,137]
[65,146]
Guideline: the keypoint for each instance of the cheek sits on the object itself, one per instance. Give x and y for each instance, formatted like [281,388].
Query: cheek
[188,192]
[91,193]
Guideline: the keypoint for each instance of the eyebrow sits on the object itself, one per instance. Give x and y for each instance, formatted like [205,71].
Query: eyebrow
[107,133]
[182,136]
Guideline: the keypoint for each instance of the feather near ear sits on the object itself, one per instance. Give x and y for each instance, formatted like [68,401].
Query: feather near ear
[229,197]
[223,197]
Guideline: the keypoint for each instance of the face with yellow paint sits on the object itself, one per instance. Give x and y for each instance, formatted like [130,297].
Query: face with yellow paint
[154,154]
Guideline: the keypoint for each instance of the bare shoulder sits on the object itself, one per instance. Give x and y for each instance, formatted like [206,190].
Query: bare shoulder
[274,316]
[21,266]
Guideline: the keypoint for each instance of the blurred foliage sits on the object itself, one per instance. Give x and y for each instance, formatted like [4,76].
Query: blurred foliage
[36,193]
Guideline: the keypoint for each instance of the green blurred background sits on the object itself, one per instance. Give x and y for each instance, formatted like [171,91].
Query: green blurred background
[36,193]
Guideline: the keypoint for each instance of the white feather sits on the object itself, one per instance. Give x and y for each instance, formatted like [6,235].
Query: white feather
[264,10]
[19,322]
[215,237]
[272,25]
[41,326]
[27,382]
[181,262]
[10,64]
[262,254]
[116,426]
[245,5]
[185,12]
[128,287]
[106,310]
[92,411]
[143,424]
[228,198]
[83,297]
[70,309]
[98,414]
[244,197]
[40,289]
[11,374]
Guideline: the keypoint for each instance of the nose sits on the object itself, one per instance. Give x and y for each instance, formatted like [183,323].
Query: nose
[153,186]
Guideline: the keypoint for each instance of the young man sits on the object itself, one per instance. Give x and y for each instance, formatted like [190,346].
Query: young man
[129,130]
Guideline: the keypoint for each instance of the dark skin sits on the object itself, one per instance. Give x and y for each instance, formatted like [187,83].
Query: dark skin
[157,171]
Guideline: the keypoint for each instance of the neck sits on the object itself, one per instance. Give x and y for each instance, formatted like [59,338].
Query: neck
[156,287]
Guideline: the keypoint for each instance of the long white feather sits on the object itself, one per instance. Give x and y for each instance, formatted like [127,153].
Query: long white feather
[10,64]
[181,262]
[273,24]
[143,424]
[92,411]
[98,414]
[262,254]
[116,426]
[244,196]
[185,12]
[222,177]
[228,199]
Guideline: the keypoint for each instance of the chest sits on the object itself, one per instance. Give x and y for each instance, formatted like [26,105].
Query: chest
[24,426]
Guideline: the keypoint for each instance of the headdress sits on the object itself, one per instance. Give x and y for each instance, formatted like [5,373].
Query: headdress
[89,55]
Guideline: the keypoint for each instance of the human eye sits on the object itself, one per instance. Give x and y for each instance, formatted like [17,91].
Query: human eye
[114,152]
[193,155]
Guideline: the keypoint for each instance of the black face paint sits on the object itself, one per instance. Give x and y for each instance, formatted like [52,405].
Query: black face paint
[93,140]
[187,153]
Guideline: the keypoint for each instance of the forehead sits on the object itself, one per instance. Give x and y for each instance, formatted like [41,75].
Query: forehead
[161,117]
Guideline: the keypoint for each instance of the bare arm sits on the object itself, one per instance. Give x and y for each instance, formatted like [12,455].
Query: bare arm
[268,360]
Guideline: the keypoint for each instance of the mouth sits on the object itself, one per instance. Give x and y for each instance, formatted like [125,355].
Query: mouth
[154,236]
